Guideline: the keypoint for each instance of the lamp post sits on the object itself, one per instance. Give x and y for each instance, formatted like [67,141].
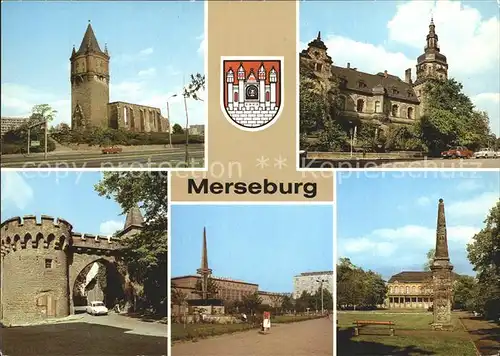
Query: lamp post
[187,130]
[169,120]
[321,282]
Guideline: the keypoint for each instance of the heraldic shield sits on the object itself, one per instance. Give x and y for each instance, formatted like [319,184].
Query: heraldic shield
[252,91]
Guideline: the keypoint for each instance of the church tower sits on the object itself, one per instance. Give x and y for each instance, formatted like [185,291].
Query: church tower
[431,64]
[89,83]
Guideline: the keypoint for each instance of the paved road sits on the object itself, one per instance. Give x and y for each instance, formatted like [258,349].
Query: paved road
[158,158]
[112,335]
[306,338]
[401,163]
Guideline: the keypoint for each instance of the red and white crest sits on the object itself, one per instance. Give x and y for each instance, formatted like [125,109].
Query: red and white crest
[252,91]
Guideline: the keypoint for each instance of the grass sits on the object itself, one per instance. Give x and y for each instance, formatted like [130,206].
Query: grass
[414,336]
[200,331]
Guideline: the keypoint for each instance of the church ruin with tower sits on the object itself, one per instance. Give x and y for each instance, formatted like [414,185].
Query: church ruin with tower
[383,98]
[90,106]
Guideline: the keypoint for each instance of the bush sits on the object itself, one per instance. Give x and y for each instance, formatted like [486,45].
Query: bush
[21,147]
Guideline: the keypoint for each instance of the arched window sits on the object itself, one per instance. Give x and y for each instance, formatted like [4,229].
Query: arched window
[394,110]
[377,106]
[318,66]
[360,105]
[268,96]
[236,97]
[410,113]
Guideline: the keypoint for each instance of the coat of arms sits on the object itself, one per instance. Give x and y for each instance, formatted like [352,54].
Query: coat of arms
[252,91]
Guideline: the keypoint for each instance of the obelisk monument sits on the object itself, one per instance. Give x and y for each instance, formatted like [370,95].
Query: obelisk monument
[204,271]
[441,276]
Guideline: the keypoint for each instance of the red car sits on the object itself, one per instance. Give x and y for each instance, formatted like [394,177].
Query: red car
[457,152]
[111,149]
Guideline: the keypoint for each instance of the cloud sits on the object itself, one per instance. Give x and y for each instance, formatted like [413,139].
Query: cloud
[133,57]
[147,72]
[465,36]
[366,57]
[475,208]
[109,227]
[171,71]
[423,201]
[203,45]
[15,191]
[468,185]
[489,102]
[18,100]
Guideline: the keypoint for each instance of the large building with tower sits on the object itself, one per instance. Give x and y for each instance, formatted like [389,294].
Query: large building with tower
[47,270]
[90,106]
[227,289]
[383,99]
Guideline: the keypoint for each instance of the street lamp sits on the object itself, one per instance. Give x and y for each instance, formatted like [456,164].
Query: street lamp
[321,281]
[187,130]
[169,120]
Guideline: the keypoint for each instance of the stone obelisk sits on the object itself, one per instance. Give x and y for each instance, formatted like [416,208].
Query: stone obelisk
[441,276]
[204,271]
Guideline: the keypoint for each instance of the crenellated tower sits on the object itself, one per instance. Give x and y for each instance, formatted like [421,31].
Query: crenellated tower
[34,256]
[89,83]
[432,64]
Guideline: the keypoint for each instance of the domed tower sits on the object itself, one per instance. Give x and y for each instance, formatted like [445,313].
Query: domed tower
[431,64]
[34,269]
[89,83]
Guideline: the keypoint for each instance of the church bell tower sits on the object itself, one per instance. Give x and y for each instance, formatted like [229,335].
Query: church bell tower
[431,64]
[89,83]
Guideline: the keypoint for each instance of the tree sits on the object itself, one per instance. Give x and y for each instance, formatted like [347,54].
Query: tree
[464,292]
[252,302]
[177,129]
[196,85]
[43,112]
[484,255]
[147,251]
[287,303]
[429,259]
[450,119]
[212,288]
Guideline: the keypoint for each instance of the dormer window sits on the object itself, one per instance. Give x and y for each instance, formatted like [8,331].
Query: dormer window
[343,83]
[361,84]
[395,91]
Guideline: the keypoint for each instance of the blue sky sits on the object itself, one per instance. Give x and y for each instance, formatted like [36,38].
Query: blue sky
[386,35]
[262,244]
[69,195]
[387,220]
[152,45]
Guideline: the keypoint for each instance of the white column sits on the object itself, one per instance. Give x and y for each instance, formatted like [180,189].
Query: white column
[230,96]
[262,93]
[241,93]
[273,95]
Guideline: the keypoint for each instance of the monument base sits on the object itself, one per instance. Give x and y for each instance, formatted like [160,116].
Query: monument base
[442,327]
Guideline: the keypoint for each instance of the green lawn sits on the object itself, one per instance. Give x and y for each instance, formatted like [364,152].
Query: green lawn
[413,336]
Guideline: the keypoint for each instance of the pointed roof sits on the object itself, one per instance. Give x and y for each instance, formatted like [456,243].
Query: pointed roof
[441,235]
[89,42]
[134,218]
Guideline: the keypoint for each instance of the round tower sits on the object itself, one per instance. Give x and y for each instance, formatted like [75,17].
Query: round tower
[34,269]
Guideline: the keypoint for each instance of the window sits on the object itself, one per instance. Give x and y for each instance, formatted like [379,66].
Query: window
[268,96]
[395,91]
[410,113]
[343,83]
[394,110]
[377,106]
[361,84]
[48,263]
[236,97]
[360,105]
[318,67]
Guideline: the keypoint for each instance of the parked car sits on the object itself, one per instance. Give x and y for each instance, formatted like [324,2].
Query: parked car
[457,152]
[486,153]
[111,149]
[97,308]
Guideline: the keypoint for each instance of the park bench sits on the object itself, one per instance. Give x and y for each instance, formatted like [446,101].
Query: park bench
[361,323]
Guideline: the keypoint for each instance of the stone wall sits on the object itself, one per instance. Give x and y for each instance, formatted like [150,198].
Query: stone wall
[136,118]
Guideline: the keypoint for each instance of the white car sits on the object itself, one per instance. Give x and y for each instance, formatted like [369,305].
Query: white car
[97,308]
[486,153]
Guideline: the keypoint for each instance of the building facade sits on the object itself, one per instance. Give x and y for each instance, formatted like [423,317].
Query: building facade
[90,106]
[197,130]
[410,290]
[310,282]
[383,98]
[47,269]
[11,123]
